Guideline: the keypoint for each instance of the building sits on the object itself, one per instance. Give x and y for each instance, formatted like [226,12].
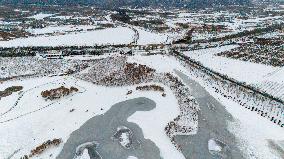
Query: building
[53,54]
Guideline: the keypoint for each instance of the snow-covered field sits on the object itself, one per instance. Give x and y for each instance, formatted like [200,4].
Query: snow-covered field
[21,66]
[252,136]
[79,36]
[61,29]
[273,83]
[264,77]
[239,70]
[40,16]
[119,35]
[38,120]
[161,63]
[27,119]
[148,37]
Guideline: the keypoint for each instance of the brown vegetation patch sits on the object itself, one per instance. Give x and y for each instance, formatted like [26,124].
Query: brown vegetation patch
[262,53]
[39,149]
[8,91]
[58,92]
[136,71]
[131,72]
[150,88]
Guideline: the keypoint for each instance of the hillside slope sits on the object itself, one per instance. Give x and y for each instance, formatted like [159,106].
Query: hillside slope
[119,3]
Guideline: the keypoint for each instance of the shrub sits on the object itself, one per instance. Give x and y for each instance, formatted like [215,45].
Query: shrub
[150,88]
[58,92]
[8,91]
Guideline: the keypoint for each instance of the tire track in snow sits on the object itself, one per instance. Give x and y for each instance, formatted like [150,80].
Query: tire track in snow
[28,113]
[20,97]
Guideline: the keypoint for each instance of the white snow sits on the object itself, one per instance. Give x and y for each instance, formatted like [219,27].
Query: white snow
[119,35]
[152,37]
[273,83]
[40,16]
[85,155]
[252,130]
[90,57]
[147,37]
[132,157]
[36,123]
[39,126]
[243,71]
[60,29]
[62,17]
[166,110]
[161,63]
[213,146]
[124,139]
[266,78]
